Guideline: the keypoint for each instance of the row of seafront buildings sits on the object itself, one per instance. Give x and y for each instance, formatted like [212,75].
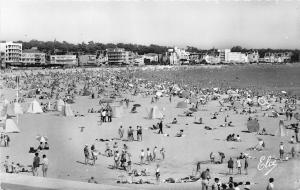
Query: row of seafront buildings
[226,56]
[12,54]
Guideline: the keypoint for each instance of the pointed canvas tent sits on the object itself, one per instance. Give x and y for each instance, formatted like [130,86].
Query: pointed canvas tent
[10,127]
[67,110]
[117,111]
[60,105]
[154,113]
[280,130]
[181,105]
[253,125]
[35,107]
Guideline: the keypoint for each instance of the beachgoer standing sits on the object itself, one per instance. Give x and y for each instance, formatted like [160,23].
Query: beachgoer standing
[86,154]
[246,165]
[149,156]
[154,153]
[239,165]
[160,128]
[6,164]
[117,159]
[45,164]
[212,157]
[109,115]
[205,176]
[296,133]
[281,150]
[142,156]
[121,132]
[162,152]
[198,167]
[230,166]
[35,164]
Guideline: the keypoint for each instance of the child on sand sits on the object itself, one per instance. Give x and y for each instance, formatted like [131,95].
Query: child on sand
[142,156]
[180,133]
[121,132]
[149,156]
[239,165]
[154,153]
[174,121]
[281,150]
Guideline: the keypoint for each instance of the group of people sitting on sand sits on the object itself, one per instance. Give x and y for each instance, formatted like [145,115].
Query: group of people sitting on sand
[232,137]
[42,146]
[12,167]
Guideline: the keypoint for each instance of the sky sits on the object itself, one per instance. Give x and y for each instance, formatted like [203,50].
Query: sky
[202,24]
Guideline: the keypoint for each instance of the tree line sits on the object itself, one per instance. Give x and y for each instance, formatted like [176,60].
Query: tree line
[56,47]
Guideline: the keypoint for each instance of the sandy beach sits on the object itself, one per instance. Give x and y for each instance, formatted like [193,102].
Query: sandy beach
[66,140]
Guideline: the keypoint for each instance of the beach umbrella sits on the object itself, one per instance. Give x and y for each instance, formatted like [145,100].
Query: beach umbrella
[253,125]
[159,93]
[137,105]
[262,101]
[292,107]
[42,138]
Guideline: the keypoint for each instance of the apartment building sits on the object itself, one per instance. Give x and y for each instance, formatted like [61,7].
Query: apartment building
[12,52]
[33,57]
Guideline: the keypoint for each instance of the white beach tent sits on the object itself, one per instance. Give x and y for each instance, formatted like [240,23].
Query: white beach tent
[117,111]
[67,110]
[10,127]
[154,113]
[60,105]
[34,107]
[281,132]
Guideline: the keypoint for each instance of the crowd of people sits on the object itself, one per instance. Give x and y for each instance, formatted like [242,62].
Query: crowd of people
[114,84]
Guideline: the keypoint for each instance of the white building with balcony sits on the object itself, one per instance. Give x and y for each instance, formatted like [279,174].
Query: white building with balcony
[116,56]
[12,52]
[33,57]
